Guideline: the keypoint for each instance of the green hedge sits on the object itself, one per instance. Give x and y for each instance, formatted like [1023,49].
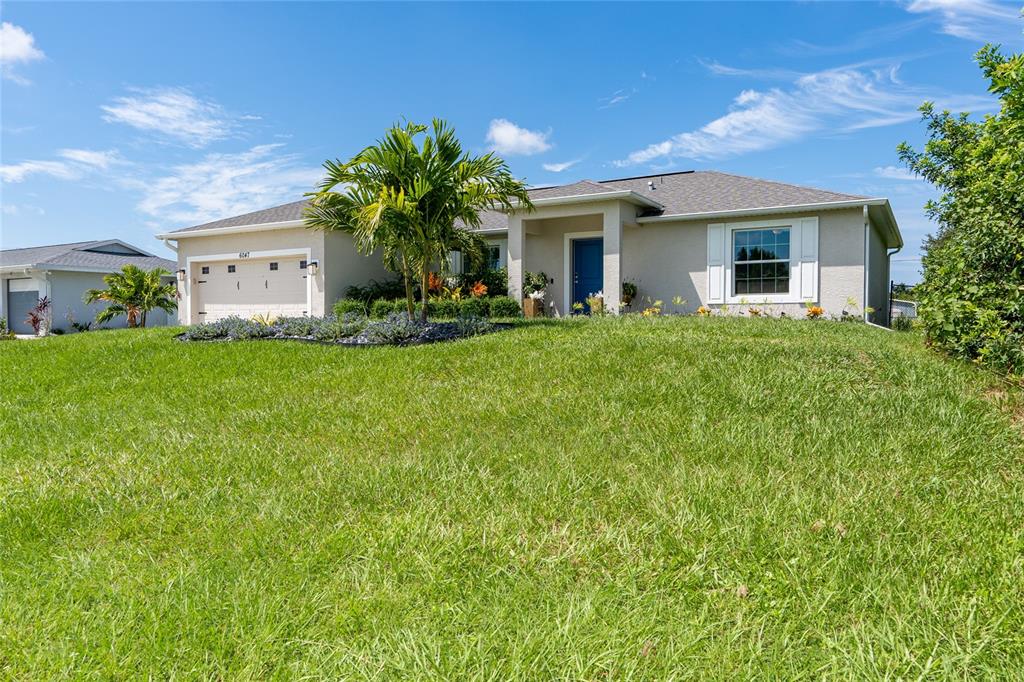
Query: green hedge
[493,306]
[349,305]
[505,306]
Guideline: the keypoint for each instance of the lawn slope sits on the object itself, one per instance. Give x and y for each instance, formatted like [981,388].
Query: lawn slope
[606,499]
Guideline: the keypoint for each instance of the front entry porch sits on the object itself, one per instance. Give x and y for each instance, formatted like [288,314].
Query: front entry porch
[579,248]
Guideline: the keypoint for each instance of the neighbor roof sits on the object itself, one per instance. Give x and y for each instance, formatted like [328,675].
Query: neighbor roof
[101,255]
[687,192]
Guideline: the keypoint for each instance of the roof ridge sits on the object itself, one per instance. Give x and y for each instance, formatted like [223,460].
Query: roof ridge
[783,184]
[652,175]
[50,246]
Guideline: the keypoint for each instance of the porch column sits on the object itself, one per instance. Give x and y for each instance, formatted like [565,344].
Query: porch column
[516,253]
[613,217]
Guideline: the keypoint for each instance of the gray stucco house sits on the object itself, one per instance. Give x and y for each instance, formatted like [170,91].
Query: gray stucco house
[64,272]
[714,239]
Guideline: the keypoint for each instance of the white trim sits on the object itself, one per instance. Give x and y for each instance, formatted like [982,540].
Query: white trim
[716,263]
[252,255]
[258,227]
[799,268]
[567,283]
[867,263]
[763,210]
[627,194]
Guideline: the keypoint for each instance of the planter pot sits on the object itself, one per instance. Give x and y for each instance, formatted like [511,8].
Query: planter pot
[533,307]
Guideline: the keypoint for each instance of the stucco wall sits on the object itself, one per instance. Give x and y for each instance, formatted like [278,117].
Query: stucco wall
[666,260]
[878,277]
[343,266]
[267,240]
[669,259]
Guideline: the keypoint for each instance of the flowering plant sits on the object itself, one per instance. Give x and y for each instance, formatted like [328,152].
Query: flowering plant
[537,295]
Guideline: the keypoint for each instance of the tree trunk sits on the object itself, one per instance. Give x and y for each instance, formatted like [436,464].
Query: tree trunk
[143,319]
[410,299]
[426,292]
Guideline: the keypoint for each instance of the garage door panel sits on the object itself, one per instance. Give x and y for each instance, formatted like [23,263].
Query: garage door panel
[253,288]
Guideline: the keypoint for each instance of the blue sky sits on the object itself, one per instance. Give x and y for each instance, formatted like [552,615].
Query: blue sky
[124,120]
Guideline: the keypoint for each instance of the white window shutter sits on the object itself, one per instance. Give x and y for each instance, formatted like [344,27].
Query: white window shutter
[716,263]
[808,259]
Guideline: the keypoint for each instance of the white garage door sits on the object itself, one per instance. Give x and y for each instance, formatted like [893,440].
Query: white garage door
[273,287]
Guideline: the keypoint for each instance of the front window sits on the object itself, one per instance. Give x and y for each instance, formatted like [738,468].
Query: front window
[760,261]
[493,257]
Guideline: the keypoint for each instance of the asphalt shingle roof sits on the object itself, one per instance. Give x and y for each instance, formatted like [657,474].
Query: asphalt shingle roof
[679,193]
[77,254]
[274,214]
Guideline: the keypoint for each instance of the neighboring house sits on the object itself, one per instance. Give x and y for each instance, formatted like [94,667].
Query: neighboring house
[711,238]
[64,272]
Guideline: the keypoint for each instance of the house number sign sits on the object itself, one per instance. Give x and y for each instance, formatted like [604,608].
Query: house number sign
[243,254]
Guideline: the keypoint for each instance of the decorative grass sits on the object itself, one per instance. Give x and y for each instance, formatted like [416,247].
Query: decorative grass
[594,499]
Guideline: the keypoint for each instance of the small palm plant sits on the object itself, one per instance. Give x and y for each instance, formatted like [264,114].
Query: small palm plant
[133,292]
[415,196]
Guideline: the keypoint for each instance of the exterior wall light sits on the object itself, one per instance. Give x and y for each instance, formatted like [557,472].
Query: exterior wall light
[313,267]
[181,275]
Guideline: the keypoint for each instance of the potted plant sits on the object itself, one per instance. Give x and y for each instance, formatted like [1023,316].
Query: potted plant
[628,292]
[534,288]
[533,304]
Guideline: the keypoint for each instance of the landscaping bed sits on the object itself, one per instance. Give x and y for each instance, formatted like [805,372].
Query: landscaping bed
[397,329]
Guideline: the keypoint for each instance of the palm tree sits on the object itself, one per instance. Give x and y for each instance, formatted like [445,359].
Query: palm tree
[416,203]
[133,292]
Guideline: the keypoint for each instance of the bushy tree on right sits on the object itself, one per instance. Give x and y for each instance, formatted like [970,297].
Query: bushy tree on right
[972,295]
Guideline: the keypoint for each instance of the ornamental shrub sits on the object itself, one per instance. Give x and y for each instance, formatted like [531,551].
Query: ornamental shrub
[472,325]
[383,307]
[296,326]
[374,290]
[505,306]
[445,309]
[474,307]
[349,305]
[395,329]
[334,328]
[972,295]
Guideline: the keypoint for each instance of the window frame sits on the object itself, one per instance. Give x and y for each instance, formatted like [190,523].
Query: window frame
[790,296]
[274,266]
[231,268]
[788,260]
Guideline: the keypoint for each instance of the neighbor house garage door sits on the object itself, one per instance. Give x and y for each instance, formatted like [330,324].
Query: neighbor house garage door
[273,287]
[22,295]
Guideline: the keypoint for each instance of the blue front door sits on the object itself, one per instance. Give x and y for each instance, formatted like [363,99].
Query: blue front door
[587,269]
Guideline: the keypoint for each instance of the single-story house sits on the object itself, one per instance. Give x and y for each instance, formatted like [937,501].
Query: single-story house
[714,239]
[64,272]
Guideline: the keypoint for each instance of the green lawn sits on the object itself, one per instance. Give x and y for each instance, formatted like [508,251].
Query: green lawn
[606,499]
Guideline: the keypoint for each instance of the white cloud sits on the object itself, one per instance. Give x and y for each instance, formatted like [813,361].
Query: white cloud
[837,100]
[17,172]
[559,167]
[895,173]
[172,112]
[617,97]
[508,138]
[17,46]
[227,184]
[75,164]
[88,157]
[979,20]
